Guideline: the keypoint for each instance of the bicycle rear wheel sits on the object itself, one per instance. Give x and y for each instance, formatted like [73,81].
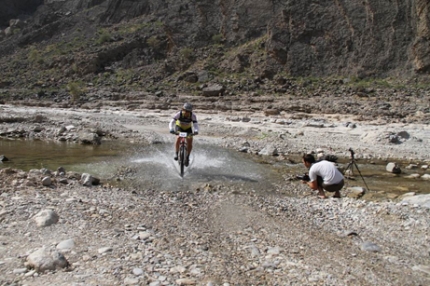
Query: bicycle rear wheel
[182,159]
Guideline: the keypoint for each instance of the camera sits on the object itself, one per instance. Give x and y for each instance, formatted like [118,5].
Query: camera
[304,177]
[352,152]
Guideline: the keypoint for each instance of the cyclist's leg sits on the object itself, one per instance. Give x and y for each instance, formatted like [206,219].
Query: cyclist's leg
[176,148]
[177,145]
[189,145]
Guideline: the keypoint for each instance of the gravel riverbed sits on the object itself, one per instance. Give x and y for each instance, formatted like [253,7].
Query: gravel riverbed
[211,233]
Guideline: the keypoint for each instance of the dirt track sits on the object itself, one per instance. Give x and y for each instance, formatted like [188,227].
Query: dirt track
[215,234]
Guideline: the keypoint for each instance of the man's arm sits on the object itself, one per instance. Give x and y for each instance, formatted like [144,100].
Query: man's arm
[313,185]
[195,124]
[172,124]
[196,127]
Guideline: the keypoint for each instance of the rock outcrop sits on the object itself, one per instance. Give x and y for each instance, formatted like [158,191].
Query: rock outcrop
[359,39]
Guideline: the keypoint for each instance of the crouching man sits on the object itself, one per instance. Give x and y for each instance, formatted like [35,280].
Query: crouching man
[323,176]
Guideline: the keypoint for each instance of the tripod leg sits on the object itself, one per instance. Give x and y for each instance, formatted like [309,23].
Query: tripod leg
[361,176]
[348,170]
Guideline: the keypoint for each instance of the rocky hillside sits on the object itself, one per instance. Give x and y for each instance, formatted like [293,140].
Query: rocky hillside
[67,48]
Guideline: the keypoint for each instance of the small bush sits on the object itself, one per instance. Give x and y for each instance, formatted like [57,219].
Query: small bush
[153,42]
[104,36]
[158,24]
[217,39]
[76,90]
[186,53]
[34,56]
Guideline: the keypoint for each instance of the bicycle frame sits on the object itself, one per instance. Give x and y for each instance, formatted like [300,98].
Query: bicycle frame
[183,151]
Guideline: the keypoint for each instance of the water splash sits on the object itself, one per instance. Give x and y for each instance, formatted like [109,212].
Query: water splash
[206,163]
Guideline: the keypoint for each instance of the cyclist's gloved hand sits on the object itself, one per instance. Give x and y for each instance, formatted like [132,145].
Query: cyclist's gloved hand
[172,131]
[196,133]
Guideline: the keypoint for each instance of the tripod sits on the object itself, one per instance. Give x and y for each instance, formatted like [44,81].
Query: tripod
[349,168]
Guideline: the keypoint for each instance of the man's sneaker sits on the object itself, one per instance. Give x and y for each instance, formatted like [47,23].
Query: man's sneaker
[176,157]
[187,161]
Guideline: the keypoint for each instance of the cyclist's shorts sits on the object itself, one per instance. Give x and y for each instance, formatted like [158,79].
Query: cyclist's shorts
[189,130]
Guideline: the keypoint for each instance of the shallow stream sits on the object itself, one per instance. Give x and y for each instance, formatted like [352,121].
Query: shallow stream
[153,166]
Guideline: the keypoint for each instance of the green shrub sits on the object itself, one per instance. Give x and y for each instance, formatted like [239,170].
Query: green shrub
[153,42]
[158,24]
[75,90]
[34,56]
[104,36]
[186,53]
[217,39]
[128,28]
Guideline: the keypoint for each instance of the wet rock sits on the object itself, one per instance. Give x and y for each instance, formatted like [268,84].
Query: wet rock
[61,171]
[45,172]
[88,180]
[411,166]
[426,177]
[46,181]
[355,192]
[269,150]
[393,168]
[89,138]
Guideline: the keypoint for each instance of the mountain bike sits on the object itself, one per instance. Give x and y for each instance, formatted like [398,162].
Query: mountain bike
[183,150]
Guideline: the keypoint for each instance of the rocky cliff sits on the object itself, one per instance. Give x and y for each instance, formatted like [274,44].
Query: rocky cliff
[14,9]
[159,38]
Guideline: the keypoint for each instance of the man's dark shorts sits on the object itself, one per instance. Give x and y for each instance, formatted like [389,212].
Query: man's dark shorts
[330,188]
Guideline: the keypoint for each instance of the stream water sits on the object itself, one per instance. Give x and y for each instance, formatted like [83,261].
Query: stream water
[153,166]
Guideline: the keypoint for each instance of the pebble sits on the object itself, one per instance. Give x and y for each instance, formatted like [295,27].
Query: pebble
[137,271]
[105,250]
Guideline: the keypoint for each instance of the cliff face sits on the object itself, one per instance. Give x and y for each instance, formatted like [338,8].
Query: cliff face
[304,37]
[12,9]
[299,38]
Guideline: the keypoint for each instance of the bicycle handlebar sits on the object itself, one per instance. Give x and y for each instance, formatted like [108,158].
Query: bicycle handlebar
[186,134]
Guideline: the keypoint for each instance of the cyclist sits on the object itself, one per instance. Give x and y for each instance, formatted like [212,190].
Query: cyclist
[184,121]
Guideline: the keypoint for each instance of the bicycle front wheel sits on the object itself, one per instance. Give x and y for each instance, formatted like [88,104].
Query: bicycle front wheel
[182,160]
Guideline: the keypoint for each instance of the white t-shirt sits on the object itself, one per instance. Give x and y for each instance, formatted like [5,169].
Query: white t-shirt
[327,170]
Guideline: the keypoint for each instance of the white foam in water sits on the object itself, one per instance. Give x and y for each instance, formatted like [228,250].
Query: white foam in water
[206,161]
[200,160]
[158,158]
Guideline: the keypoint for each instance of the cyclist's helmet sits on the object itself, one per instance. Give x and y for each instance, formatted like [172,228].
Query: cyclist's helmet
[188,107]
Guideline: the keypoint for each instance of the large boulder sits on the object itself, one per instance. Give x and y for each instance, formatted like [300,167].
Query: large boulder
[213,90]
